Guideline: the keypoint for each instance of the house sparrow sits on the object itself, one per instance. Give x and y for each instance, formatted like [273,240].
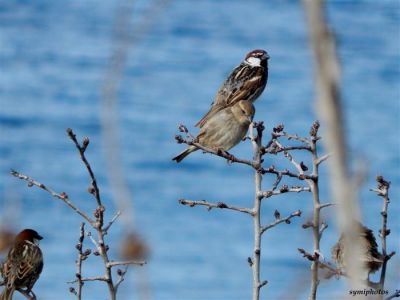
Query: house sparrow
[246,82]
[23,265]
[225,129]
[371,257]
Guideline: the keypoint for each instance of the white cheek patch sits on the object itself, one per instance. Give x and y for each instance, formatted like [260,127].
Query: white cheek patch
[253,61]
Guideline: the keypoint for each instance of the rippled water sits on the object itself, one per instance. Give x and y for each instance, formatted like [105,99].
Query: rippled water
[54,55]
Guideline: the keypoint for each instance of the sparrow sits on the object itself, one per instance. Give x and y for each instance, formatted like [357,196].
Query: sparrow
[23,264]
[223,130]
[371,257]
[246,82]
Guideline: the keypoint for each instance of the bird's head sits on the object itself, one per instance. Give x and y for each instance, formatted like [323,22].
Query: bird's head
[244,111]
[257,58]
[28,235]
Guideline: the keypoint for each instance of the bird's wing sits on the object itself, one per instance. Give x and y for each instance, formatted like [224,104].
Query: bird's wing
[244,83]
[22,260]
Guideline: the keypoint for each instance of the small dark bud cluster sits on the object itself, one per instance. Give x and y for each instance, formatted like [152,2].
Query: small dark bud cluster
[182,128]
[85,142]
[277,214]
[314,129]
[308,255]
[250,261]
[278,128]
[179,139]
[72,290]
[221,205]
[64,195]
[284,189]
[382,183]
[91,189]
[303,166]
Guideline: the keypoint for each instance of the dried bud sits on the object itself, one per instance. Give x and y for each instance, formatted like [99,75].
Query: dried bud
[250,261]
[30,184]
[96,253]
[288,221]
[307,225]
[221,205]
[120,272]
[278,128]
[72,290]
[107,247]
[179,139]
[284,188]
[91,189]
[87,252]
[303,166]
[277,214]
[64,195]
[70,132]
[78,246]
[314,129]
[85,142]
[382,183]
[182,128]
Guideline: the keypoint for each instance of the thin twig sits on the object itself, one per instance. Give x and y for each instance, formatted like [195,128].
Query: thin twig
[210,205]
[297,213]
[126,263]
[62,196]
[383,192]
[107,227]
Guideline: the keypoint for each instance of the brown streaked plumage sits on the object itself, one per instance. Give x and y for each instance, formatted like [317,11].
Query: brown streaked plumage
[246,82]
[23,264]
[371,257]
[224,130]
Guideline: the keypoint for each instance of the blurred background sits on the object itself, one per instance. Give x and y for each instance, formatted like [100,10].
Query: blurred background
[160,63]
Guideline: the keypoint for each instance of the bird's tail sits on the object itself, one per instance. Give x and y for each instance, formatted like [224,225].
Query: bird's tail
[182,155]
[7,294]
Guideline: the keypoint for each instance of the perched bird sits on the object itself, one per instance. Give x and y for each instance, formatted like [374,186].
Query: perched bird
[246,82]
[224,130]
[371,258]
[23,265]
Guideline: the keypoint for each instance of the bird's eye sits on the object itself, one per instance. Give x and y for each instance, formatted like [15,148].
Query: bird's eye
[243,111]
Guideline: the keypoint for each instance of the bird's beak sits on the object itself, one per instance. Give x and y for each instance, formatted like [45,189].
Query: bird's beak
[266,56]
[250,118]
[39,237]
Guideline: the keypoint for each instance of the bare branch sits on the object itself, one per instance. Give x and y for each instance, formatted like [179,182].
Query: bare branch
[82,150]
[62,196]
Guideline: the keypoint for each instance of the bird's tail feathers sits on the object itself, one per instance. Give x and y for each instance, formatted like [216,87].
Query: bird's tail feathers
[182,155]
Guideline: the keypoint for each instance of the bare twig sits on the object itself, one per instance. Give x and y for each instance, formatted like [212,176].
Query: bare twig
[383,191]
[210,205]
[81,258]
[285,189]
[62,196]
[126,263]
[297,213]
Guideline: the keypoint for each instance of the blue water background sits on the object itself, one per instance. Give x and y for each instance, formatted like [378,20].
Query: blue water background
[54,56]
